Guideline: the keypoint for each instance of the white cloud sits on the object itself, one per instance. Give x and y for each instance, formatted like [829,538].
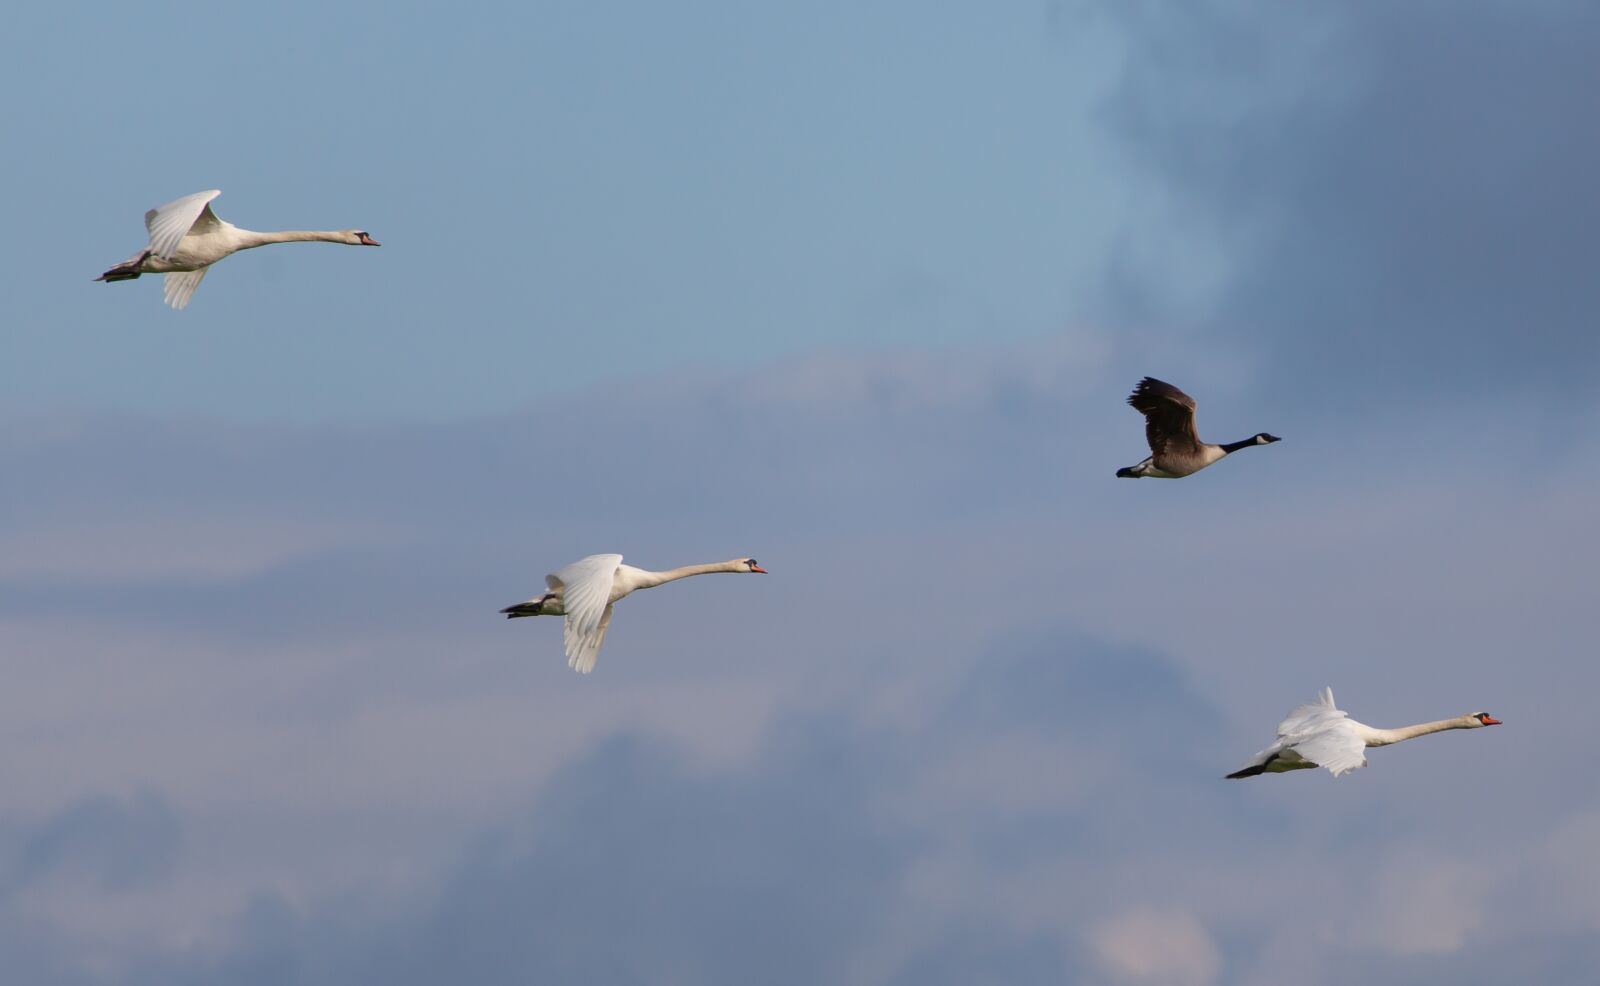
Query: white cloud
[187,547]
[1423,907]
[340,710]
[1156,947]
[1571,858]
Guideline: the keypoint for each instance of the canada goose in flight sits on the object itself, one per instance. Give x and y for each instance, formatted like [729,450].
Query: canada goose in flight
[1175,450]
[585,591]
[1320,735]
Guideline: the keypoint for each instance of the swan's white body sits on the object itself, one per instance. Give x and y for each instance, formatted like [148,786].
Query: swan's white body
[1321,735]
[585,591]
[186,238]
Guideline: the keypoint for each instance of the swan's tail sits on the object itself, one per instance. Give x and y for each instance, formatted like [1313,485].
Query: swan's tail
[125,271]
[533,607]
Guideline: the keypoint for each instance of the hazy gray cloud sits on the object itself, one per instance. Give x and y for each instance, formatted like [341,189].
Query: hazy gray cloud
[1402,192]
[823,859]
[636,866]
[1167,947]
[117,844]
[263,724]
[976,718]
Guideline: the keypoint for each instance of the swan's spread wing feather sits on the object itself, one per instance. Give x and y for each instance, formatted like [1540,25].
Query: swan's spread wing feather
[584,575]
[180,287]
[1307,718]
[1316,734]
[1336,747]
[582,654]
[585,587]
[1168,415]
[1322,733]
[206,222]
[170,223]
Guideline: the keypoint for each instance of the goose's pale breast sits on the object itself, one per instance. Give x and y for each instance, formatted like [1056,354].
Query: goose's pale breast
[1176,465]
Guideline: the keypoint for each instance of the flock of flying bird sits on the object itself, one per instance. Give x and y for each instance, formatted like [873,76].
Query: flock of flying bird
[187,238]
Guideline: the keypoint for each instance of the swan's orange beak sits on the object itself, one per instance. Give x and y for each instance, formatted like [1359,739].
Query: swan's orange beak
[758,568]
[1491,721]
[369,241]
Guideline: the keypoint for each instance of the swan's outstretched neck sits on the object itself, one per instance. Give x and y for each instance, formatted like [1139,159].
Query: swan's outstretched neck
[646,579]
[249,238]
[1383,737]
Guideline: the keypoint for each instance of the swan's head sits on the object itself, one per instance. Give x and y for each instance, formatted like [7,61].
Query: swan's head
[749,565]
[1266,439]
[1482,719]
[359,237]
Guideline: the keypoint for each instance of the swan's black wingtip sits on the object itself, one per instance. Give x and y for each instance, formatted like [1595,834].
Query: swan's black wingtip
[1247,772]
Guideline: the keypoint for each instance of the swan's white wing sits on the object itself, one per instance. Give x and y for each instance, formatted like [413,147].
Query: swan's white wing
[585,572]
[206,222]
[1323,734]
[171,222]
[585,588]
[1308,718]
[180,286]
[1335,747]
[1317,733]
[583,653]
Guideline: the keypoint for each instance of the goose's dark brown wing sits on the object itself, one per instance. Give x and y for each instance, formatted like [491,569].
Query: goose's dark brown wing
[1168,416]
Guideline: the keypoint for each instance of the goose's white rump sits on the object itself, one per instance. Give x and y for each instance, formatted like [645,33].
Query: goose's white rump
[186,238]
[1322,735]
[586,590]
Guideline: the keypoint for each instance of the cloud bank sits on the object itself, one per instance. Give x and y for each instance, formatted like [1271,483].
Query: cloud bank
[970,726]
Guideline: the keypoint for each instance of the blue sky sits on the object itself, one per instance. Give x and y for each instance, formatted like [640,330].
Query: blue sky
[566,194]
[858,291]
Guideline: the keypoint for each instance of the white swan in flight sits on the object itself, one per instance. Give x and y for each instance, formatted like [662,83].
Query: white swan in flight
[1320,735]
[186,238]
[585,591]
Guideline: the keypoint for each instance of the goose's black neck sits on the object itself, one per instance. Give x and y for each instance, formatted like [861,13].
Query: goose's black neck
[1236,446]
